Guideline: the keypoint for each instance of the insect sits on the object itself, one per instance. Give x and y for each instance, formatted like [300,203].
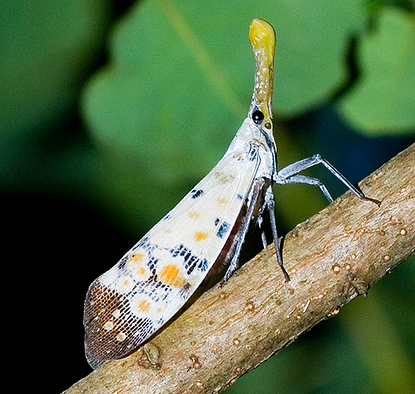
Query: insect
[153,280]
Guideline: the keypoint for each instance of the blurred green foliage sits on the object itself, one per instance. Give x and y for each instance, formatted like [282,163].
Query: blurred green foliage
[384,98]
[46,48]
[161,110]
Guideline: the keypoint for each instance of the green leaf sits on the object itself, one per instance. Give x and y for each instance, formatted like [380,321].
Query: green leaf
[180,78]
[163,98]
[383,102]
[312,42]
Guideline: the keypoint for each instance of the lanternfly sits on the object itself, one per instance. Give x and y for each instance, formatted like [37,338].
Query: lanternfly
[207,228]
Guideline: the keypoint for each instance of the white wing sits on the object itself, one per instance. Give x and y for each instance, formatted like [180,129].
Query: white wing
[128,303]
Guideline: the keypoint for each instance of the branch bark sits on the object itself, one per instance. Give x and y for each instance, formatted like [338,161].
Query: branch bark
[332,257]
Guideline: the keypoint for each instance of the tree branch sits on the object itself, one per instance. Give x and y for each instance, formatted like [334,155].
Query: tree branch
[331,258]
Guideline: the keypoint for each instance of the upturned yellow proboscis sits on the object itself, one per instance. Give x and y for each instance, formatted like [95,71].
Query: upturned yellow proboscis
[262,38]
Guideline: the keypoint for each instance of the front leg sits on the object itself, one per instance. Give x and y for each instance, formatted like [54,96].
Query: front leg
[246,220]
[270,204]
[289,174]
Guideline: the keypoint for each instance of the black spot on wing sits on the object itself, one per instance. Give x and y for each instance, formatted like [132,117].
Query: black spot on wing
[223,229]
[190,260]
[203,265]
[195,193]
[185,291]
[152,264]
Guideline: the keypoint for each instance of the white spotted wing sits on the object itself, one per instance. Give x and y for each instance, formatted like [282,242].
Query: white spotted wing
[133,299]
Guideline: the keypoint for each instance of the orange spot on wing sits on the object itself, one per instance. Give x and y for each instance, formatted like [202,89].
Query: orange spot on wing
[199,236]
[170,275]
[222,201]
[137,256]
[143,306]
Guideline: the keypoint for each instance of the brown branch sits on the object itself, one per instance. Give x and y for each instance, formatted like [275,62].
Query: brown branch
[332,258]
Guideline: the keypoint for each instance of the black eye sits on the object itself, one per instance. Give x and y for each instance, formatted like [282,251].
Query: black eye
[257,116]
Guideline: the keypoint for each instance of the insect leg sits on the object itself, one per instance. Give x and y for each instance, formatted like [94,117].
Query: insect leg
[234,263]
[289,175]
[263,236]
[270,204]
[307,180]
